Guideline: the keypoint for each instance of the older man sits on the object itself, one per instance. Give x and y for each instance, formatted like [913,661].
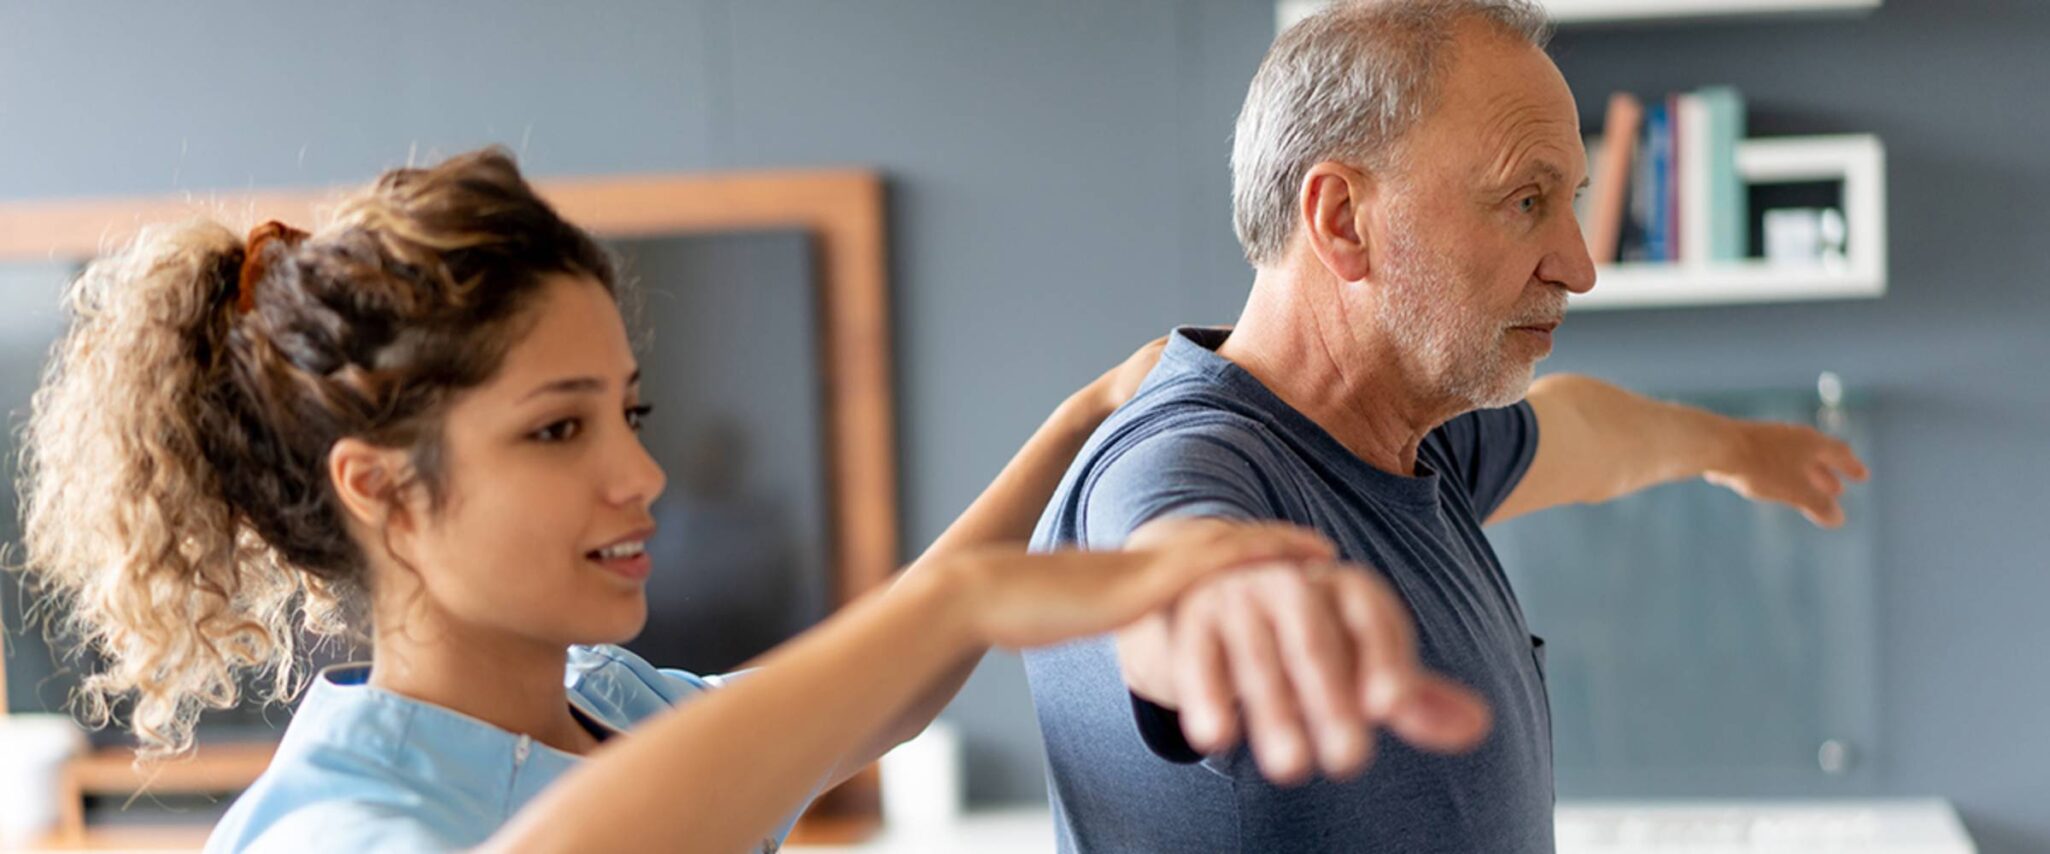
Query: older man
[1403,183]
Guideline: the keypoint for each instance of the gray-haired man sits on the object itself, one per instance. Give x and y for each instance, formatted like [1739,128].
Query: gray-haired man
[1403,174]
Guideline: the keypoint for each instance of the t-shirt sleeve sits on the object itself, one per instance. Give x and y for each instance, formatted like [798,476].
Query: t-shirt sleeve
[1488,451]
[1211,471]
[1204,472]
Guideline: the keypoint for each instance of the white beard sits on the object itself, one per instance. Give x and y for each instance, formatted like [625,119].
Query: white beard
[1461,353]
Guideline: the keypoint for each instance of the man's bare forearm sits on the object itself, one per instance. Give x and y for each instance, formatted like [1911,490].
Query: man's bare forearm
[1637,442]
[1597,442]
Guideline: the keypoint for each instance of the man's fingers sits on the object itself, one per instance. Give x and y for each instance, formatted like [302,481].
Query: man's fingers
[1203,684]
[1440,715]
[1273,725]
[1825,480]
[1380,628]
[1845,460]
[1819,501]
[1315,650]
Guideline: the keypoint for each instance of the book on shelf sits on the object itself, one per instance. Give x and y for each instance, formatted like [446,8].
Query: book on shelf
[1690,179]
[1657,188]
[1609,160]
[1726,203]
[1665,186]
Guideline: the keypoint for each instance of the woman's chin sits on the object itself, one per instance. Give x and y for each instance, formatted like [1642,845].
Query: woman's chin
[617,625]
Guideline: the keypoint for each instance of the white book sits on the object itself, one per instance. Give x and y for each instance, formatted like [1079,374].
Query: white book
[1697,220]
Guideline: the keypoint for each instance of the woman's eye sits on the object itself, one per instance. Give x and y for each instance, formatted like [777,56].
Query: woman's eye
[638,415]
[560,431]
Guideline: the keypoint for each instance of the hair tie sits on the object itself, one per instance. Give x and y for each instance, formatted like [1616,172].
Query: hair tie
[254,265]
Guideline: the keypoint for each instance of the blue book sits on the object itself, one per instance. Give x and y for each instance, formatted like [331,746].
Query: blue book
[1658,147]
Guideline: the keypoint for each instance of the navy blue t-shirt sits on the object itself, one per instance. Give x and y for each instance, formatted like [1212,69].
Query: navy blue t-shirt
[1204,438]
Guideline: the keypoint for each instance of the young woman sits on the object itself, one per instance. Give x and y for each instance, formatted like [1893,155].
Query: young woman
[419,425]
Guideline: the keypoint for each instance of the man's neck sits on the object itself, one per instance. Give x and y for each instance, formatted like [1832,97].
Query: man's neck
[1301,339]
[512,684]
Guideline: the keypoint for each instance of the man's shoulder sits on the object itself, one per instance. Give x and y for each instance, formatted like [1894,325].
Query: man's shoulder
[1187,412]
[1165,440]
[1152,437]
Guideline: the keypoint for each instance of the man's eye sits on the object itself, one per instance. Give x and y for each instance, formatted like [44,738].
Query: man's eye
[638,415]
[1527,204]
[560,431]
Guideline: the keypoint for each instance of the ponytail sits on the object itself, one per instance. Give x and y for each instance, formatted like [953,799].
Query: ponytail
[126,524]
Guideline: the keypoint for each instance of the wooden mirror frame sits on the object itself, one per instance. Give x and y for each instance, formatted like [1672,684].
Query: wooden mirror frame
[843,213]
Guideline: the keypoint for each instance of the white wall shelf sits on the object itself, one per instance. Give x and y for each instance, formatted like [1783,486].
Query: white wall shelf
[1623,11]
[1858,160]
[1572,12]
[1673,285]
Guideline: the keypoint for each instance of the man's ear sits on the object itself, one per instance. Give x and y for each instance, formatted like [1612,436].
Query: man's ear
[366,478]
[1336,201]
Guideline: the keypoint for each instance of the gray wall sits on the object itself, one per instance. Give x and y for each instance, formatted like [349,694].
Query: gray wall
[1046,156]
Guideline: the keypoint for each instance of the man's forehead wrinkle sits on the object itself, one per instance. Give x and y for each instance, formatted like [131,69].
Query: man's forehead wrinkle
[1515,128]
[1505,110]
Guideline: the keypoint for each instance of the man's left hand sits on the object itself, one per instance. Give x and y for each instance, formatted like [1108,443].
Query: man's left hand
[1794,465]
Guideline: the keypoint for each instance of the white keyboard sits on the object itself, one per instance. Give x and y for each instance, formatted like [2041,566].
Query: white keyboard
[1758,827]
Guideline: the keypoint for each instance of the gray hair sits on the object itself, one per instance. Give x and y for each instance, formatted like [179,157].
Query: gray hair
[1347,83]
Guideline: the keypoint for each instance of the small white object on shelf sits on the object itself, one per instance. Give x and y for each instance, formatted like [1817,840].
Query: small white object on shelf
[1858,160]
[33,749]
[1567,12]
[922,787]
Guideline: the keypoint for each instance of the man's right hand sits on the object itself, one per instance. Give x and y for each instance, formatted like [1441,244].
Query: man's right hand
[1307,664]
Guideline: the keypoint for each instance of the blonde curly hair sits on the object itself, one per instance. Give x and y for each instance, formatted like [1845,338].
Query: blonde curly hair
[178,517]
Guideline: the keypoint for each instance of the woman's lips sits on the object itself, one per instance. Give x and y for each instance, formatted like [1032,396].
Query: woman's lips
[626,556]
[636,568]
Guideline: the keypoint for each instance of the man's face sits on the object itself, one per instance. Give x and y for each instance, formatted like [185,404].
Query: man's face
[1476,245]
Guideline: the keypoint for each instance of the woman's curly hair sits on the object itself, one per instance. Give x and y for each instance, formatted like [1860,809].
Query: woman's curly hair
[178,514]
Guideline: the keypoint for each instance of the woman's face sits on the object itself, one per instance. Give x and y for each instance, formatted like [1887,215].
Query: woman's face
[545,514]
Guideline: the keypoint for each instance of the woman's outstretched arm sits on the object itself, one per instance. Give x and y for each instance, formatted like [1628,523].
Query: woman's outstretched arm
[721,772]
[1006,512]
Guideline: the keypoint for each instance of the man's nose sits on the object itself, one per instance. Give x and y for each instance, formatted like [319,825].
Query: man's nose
[1568,264]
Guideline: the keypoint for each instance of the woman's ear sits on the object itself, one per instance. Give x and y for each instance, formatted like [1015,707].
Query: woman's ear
[1336,201]
[366,479]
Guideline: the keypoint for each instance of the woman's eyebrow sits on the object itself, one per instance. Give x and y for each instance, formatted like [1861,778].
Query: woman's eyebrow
[577,385]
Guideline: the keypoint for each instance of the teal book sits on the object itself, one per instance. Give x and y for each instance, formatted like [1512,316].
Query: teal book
[1728,206]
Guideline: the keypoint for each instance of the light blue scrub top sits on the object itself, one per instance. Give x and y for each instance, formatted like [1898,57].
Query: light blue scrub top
[363,769]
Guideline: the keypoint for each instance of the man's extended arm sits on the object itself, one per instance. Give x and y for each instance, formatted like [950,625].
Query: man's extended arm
[1597,442]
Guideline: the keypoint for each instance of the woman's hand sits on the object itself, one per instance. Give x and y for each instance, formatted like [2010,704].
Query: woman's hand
[1014,599]
[1117,385]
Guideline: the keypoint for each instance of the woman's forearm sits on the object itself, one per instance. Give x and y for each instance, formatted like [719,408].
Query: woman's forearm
[1006,511]
[721,772]
[1009,508]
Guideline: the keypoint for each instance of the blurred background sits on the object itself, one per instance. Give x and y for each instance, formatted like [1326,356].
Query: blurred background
[1058,194]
